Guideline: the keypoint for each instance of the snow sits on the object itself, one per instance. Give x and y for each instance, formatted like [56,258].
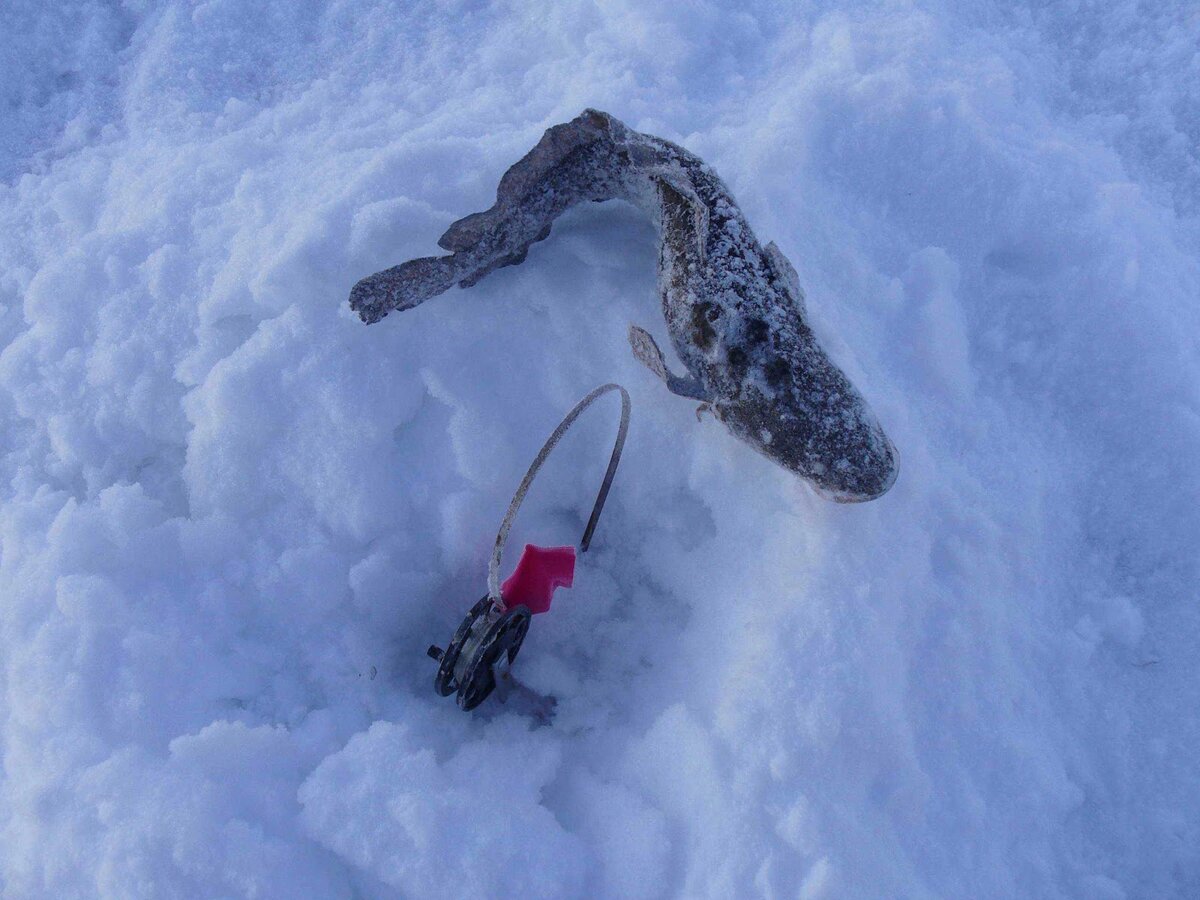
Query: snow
[233,517]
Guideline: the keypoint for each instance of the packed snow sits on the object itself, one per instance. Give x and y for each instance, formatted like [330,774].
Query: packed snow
[233,517]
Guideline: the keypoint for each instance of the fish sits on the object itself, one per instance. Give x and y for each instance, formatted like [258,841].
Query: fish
[735,311]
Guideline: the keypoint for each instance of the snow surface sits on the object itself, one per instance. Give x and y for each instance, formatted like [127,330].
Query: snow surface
[233,516]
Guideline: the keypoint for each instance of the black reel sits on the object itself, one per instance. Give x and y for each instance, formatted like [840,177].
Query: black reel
[468,665]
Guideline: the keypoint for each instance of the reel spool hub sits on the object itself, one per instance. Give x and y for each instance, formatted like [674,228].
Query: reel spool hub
[487,636]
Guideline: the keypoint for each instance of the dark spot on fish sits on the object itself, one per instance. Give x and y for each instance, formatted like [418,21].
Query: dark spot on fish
[777,371]
[757,331]
[737,357]
[713,313]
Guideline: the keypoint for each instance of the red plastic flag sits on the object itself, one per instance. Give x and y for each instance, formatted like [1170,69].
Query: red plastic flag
[540,571]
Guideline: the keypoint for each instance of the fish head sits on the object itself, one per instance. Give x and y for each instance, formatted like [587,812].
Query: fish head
[776,389]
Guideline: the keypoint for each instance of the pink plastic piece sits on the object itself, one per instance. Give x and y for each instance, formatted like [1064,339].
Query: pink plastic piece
[540,571]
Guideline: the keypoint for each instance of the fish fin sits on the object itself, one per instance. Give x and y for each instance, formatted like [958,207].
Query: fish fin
[677,194]
[785,271]
[645,350]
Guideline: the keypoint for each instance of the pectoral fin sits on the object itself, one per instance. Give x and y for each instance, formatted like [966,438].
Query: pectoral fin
[685,216]
[785,272]
[645,349]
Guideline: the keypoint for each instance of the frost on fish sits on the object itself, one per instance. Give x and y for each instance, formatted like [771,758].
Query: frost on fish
[734,309]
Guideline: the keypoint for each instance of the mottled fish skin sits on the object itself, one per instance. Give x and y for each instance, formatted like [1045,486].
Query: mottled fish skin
[734,309]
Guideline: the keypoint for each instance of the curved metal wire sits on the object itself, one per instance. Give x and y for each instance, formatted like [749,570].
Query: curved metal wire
[519,496]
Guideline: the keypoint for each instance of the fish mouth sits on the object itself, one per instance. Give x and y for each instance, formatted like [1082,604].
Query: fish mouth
[842,495]
[868,481]
[843,465]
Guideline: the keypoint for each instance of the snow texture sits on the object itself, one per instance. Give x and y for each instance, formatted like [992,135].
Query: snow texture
[234,517]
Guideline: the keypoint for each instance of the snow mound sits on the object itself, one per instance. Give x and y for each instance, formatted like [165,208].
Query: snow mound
[233,517]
